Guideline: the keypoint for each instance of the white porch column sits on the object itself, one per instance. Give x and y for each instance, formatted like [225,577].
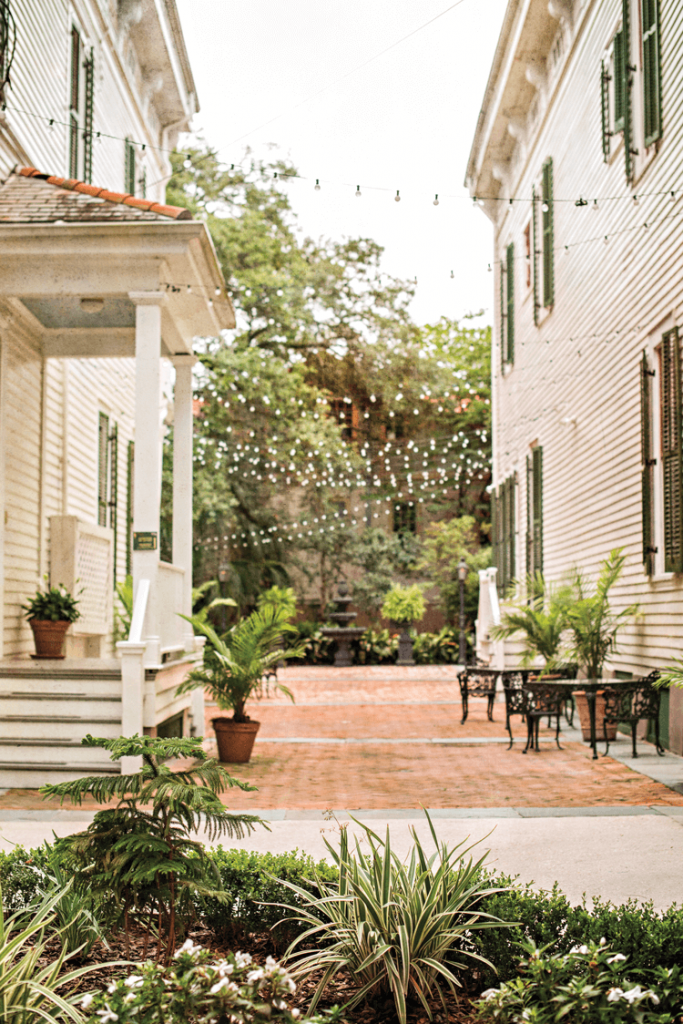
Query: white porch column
[182,481]
[147,473]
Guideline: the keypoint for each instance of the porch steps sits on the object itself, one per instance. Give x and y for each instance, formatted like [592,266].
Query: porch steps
[46,708]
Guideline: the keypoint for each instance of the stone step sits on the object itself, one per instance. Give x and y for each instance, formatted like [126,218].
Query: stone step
[58,727]
[69,753]
[58,687]
[81,705]
[32,774]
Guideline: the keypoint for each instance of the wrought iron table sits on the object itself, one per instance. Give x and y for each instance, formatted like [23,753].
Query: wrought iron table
[625,700]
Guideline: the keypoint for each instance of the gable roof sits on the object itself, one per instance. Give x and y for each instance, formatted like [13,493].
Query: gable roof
[30,197]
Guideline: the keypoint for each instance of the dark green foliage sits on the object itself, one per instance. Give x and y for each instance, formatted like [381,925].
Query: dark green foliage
[54,604]
[375,647]
[252,881]
[648,937]
[440,648]
[22,876]
[137,860]
[318,649]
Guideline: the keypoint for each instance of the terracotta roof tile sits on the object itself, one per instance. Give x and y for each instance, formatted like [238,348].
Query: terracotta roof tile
[28,196]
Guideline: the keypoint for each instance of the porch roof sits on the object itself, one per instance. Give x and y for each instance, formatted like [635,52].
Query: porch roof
[64,241]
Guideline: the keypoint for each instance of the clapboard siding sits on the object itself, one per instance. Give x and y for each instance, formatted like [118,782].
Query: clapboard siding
[611,300]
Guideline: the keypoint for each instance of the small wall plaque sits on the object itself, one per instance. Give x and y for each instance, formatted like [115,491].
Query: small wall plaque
[144,542]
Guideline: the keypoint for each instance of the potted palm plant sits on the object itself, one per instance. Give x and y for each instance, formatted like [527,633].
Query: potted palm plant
[539,622]
[594,628]
[403,606]
[50,612]
[235,669]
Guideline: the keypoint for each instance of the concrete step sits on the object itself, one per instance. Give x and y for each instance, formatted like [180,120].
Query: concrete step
[44,704]
[96,687]
[32,774]
[70,754]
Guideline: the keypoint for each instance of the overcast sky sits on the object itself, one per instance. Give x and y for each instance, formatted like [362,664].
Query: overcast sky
[405,121]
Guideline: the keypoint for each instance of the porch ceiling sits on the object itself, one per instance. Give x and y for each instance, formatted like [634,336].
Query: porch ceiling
[49,268]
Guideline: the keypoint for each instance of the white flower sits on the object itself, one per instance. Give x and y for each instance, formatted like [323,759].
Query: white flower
[86,1001]
[617,958]
[614,995]
[653,997]
[634,993]
[271,963]
[256,975]
[188,946]
[243,959]
[134,981]
[295,1012]
[107,1015]
[579,949]
[603,941]
[489,994]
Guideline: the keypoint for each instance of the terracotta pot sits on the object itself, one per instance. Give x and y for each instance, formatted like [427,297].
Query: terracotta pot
[48,638]
[235,739]
[581,702]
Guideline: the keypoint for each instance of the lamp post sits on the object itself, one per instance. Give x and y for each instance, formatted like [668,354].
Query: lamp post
[462,576]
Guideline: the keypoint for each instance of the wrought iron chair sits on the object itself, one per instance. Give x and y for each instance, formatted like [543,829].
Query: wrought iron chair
[516,699]
[632,704]
[477,682]
[541,702]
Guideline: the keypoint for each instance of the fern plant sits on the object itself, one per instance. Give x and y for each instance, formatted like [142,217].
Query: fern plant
[138,859]
[235,666]
[593,624]
[400,930]
[539,623]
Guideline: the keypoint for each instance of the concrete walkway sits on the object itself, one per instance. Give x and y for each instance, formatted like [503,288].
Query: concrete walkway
[388,741]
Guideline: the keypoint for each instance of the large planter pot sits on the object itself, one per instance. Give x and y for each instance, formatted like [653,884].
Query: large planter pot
[48,638]
[581,702]
[235,739]
[405,644]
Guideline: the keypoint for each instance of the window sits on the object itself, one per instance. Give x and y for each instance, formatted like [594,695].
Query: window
[129,168]
[547,225]
[81,106]
[672,451]
[652,72]
[405,517]
[503,528]
[648,464]
[534,511]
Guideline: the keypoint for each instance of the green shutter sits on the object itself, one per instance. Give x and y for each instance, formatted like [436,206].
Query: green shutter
[495,554]
[102,469]
[512,562]
[74,101]
[510,303]
[548,235]
[534,252]
[672,460]
[114,490]
[619,59]
[652,72]
[647,463]
[503,537]
[129,168]
[503,315]
[627,82]
[537,512]
[129,508]
[88,116]
[604,111]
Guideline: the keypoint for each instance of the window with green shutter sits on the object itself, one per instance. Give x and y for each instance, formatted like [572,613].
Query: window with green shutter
[511,527]
[672,451]
[548,234]
[495,519]
[510,303]
[503,526]
[114,491]
[88,112]
[502,315]
[648,463]
[129,167]
[534,252]
[627,70]
[652,72]
[8,39]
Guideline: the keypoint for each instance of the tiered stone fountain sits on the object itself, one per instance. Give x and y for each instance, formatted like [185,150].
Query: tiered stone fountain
[343,633]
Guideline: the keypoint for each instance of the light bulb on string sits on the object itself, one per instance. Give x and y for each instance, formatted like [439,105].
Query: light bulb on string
[316,187]
[397,197]
[566,250]
[452,275]
[358,192]
[545,208]
[490,269]
[606,239]
[51,124]
[595,205]
[217,291]
[672,197]
[436,200]
[636,200]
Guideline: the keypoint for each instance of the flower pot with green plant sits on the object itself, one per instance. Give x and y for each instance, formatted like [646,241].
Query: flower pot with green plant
[237,667]
[594,628]
[537,617]
[404,606]
[50,612]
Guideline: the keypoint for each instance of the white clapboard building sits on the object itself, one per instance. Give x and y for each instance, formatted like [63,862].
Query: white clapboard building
[577,161]
[102,289]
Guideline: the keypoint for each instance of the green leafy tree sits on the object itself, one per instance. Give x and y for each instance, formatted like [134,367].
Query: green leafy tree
[445,544]
[138,859]
[382,557]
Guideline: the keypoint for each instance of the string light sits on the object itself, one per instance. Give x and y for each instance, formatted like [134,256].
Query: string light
[436,200]
[397,197]
[595,206]
[316,187]
[358,192]
[636,200]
